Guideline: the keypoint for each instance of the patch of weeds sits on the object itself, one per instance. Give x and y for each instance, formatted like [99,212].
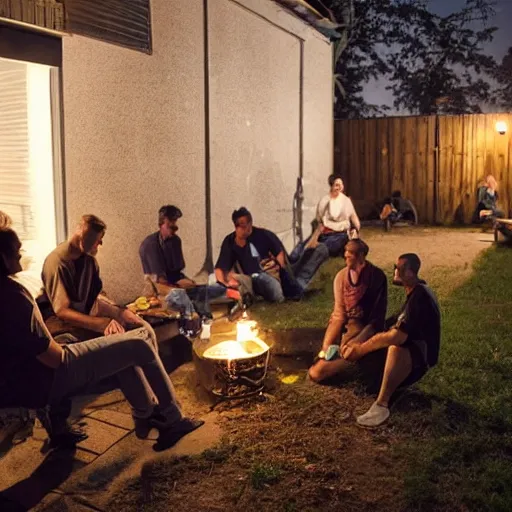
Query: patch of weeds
[219,454]
[264,474]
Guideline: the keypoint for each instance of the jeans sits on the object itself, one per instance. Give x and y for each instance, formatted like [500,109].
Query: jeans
[335,242]
[131,358]
[294,279]
[267,287]
[202,294]
[186,301]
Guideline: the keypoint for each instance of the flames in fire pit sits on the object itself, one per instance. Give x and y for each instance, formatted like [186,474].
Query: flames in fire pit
[234,369]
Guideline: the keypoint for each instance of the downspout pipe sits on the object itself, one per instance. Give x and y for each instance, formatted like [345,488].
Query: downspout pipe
[208,261]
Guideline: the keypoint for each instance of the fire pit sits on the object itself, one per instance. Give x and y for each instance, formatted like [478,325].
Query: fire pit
[230,368]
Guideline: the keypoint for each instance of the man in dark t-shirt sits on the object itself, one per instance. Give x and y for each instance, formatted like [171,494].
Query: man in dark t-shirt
[260,255]
[412,340]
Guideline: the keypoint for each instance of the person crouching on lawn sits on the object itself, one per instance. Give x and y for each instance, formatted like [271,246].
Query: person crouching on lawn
[36,372]
[412,342]
[360,301]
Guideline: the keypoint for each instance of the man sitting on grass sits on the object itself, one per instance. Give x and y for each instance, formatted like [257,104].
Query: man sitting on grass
[411,344]
[360,301]
[261,257]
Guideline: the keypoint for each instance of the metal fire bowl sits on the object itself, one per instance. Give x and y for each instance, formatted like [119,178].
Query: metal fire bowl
[235,378]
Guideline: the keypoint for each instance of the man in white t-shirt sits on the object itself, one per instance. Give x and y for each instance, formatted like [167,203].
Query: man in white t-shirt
[337,221]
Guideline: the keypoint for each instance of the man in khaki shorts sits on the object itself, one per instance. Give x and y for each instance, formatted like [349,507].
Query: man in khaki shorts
[360,302]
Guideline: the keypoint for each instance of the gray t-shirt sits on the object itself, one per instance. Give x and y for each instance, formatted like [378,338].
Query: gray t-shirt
[65,279]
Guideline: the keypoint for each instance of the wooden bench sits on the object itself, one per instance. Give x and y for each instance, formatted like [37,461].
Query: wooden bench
[503,229]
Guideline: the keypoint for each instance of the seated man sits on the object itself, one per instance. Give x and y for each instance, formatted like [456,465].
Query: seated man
[360,301]
[260,254]
[35,371]
[411,344]
[162,258]
[75,310]
[72,298]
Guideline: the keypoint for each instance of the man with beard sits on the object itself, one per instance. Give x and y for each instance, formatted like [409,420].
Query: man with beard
[411,344]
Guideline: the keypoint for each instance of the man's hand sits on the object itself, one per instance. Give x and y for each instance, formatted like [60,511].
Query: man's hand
[353,234]
[233,283]
[352,352]
[128,317]
[113,327]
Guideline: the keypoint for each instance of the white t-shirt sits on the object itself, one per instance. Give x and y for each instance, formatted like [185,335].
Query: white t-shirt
[335,213]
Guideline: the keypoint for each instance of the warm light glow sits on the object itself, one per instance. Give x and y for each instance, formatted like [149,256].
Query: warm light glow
[231,350]
[501,127]
[246,330]
[32,208]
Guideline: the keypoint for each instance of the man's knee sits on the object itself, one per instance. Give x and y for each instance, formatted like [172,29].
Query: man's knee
[315,373]
[320,371]
[141,349]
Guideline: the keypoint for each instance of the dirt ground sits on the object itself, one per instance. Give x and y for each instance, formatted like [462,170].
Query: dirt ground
[452,250]
[297,447]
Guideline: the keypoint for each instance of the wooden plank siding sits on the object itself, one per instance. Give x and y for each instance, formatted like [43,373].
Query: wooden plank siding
[377,156]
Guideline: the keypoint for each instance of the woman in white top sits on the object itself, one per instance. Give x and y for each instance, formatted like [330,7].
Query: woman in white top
[337,221]
[336,212]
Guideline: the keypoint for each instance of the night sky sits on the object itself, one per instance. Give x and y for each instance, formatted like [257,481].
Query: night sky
[376,93]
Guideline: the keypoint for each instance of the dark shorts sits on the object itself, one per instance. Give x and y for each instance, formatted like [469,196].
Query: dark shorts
[418,351]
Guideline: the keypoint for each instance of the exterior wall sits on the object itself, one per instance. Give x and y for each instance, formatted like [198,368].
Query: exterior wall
[134,128]
[134,139]
[255,56]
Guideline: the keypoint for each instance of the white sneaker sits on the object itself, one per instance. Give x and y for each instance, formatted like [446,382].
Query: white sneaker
[376,415]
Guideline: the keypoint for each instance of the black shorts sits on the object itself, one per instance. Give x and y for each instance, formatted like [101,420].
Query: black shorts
[418,351]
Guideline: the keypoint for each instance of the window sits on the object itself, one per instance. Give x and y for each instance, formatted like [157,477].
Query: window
[123,22]
[28,187]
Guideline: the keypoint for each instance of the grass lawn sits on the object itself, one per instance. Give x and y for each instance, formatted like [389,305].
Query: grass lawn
[447,446]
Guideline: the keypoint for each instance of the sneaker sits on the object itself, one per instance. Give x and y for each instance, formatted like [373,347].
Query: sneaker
[171,435]
[375,416]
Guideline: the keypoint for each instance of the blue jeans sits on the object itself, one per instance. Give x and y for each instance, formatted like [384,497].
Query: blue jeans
[335,242]
[294,280]
[186,301]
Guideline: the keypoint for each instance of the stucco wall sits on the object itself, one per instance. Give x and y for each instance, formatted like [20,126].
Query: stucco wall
[134,128]
[255,115]
[134,139]
[254,105]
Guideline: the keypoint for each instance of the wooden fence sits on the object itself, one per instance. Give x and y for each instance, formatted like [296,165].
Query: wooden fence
[435,161]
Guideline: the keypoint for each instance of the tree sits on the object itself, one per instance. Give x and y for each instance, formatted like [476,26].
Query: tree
[432,63]
[504,78]
[440,66]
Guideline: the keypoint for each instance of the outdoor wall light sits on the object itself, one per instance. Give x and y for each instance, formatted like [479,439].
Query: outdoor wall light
[501,127]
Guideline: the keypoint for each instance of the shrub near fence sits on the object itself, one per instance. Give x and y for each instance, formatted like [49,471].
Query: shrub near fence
[436,161]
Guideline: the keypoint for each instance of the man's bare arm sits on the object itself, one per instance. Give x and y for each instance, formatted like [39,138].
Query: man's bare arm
[380,340]
[93,323]
[281,259]
[108,309]
[332,332]
[52,357]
